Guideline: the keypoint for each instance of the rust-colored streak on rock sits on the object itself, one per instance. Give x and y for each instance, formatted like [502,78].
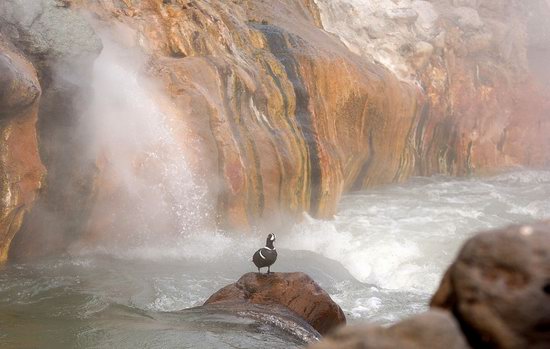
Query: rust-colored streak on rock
[499,288]
[296,291]
[21,170]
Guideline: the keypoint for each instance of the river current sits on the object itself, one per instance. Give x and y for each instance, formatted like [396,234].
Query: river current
[380,258]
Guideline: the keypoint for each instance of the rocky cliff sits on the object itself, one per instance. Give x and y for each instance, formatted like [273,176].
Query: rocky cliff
[277,114]
[478,63]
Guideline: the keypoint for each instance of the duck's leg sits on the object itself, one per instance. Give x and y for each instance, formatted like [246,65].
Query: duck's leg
[259,272]
[268,270]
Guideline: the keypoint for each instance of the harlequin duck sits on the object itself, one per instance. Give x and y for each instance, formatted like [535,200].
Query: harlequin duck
[266,256]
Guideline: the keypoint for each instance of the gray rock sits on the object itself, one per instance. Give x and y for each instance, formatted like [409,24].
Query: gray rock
[427,16]
[466,3]
[19,87]
[467,18]
[402,15]
[46,30]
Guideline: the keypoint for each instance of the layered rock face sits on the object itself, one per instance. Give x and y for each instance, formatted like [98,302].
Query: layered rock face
[280,110]
[484,106]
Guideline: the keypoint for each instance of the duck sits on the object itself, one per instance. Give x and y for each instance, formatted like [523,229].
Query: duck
[266,256]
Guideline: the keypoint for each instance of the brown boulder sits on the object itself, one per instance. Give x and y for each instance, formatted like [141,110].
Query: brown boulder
[296,291]
[499,288]
[434,329]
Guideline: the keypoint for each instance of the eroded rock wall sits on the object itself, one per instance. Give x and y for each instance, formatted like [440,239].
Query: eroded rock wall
[280,110]
[21,170]
[485,109]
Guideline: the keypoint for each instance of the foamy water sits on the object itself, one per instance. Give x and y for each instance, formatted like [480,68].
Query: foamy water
[400,239]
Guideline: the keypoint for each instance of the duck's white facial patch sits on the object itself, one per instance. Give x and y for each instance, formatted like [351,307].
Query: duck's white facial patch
[261,255]
[272,238]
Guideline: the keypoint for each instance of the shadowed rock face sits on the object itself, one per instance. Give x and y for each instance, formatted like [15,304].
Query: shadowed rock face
[499,288]
[434,329]
[21,170]
[295,291]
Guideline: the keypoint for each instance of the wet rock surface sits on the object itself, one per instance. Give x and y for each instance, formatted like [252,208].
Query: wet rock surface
[274,316]
[499,288]
[434,329]
[295,291]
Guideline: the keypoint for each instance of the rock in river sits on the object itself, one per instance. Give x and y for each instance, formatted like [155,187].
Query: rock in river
[295,291]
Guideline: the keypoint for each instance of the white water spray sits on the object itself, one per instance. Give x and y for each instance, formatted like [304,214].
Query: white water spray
[148,196]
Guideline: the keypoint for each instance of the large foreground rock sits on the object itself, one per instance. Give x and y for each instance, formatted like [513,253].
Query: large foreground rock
[435,329]
[499,288]
[295,291]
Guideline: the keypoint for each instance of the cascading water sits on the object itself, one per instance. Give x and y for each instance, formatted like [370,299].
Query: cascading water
[148,193]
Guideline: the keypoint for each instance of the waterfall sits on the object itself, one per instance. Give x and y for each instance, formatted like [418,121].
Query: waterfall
[147,194]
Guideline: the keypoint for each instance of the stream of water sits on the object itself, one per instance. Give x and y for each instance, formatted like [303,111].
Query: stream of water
[380,259]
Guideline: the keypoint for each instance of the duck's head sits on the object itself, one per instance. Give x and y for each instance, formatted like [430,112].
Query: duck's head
[270,240]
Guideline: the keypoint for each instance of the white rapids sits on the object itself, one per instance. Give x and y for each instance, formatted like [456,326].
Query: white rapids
[402,238]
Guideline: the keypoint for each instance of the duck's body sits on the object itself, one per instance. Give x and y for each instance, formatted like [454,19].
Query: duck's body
[265,256]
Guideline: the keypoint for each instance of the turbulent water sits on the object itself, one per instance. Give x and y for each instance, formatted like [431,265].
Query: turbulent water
[380,259]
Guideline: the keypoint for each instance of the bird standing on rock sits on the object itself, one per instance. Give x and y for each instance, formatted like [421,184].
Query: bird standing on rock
[266,256]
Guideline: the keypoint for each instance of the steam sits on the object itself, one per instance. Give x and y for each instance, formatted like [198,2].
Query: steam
[147,193]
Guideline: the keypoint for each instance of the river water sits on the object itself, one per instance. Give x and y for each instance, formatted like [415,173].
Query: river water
[380,258]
